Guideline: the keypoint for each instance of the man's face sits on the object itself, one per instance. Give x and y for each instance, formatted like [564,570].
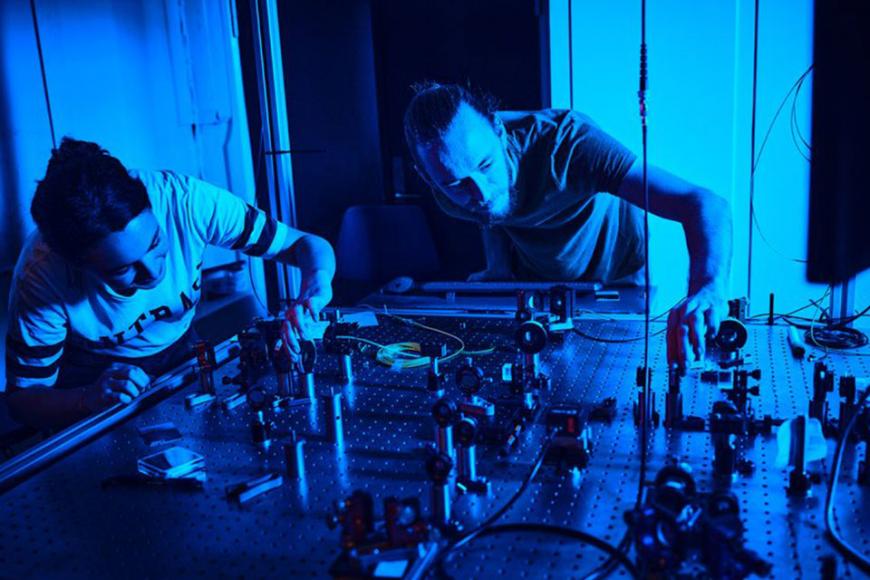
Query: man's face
[469,165]
[131,259]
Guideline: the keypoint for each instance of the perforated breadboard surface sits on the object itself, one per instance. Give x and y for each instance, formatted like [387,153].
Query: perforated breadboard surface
[61,523]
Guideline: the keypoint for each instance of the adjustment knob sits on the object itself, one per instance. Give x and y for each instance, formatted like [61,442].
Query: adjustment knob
[257,399]
[438,466]
[444,412]
[531,337]
[466,431]
[469,378]
[732,335]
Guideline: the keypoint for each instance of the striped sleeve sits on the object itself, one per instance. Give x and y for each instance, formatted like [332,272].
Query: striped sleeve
[36,334]
[225,220]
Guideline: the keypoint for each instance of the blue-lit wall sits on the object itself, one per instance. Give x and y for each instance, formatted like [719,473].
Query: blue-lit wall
[154,82]
[700,107]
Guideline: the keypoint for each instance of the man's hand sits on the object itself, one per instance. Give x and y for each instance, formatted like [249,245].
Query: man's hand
[489,275]
[120,383]
[314,295]
[314,257]
[691,321]
[706,220]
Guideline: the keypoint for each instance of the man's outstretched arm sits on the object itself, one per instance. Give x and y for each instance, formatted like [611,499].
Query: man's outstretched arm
[315,259]
[706,220]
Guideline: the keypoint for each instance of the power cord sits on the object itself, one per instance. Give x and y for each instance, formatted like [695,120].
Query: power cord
[795,89]
[785,316]
[625,543]
[582,334]
[613,552]
[835,334]
[444,556]
[647,388]
[836,337]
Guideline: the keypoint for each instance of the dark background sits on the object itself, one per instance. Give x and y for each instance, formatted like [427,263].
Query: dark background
[348,69]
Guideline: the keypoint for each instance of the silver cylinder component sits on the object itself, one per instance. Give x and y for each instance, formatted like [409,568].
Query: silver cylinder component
[347,368]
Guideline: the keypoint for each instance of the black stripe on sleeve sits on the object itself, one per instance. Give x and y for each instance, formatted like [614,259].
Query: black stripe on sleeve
[267,236]
[250,217]
[16,369]
[19,348]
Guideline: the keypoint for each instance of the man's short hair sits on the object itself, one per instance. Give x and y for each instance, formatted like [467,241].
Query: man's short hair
[433,107]
[86,195]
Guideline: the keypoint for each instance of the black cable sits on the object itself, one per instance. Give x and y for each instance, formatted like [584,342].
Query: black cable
[465,538]
[797,137]
[825,318]
[609,565]
[794,115]
[836,337]
[582,334]
[647,387]
[777,316]
[645,412]
[752,150]
[853,318]
[825,332]
[795,87]
[42,70]
[579,332]
[571,533]
[841,544]
[625,543]
[789,319]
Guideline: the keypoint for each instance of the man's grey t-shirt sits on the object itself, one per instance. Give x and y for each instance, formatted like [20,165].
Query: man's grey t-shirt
[566,224]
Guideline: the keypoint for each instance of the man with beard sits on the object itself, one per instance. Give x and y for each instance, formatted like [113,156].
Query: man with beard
[559,199]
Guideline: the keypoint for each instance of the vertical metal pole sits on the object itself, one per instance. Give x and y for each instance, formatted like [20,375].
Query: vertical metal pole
[273,102]
[752,154]
[42,71]
[843,300]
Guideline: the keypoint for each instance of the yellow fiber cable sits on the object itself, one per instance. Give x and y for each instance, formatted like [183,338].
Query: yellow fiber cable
[406,355]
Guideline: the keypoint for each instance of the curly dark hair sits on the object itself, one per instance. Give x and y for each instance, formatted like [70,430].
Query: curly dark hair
[434,105]
[86,195]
